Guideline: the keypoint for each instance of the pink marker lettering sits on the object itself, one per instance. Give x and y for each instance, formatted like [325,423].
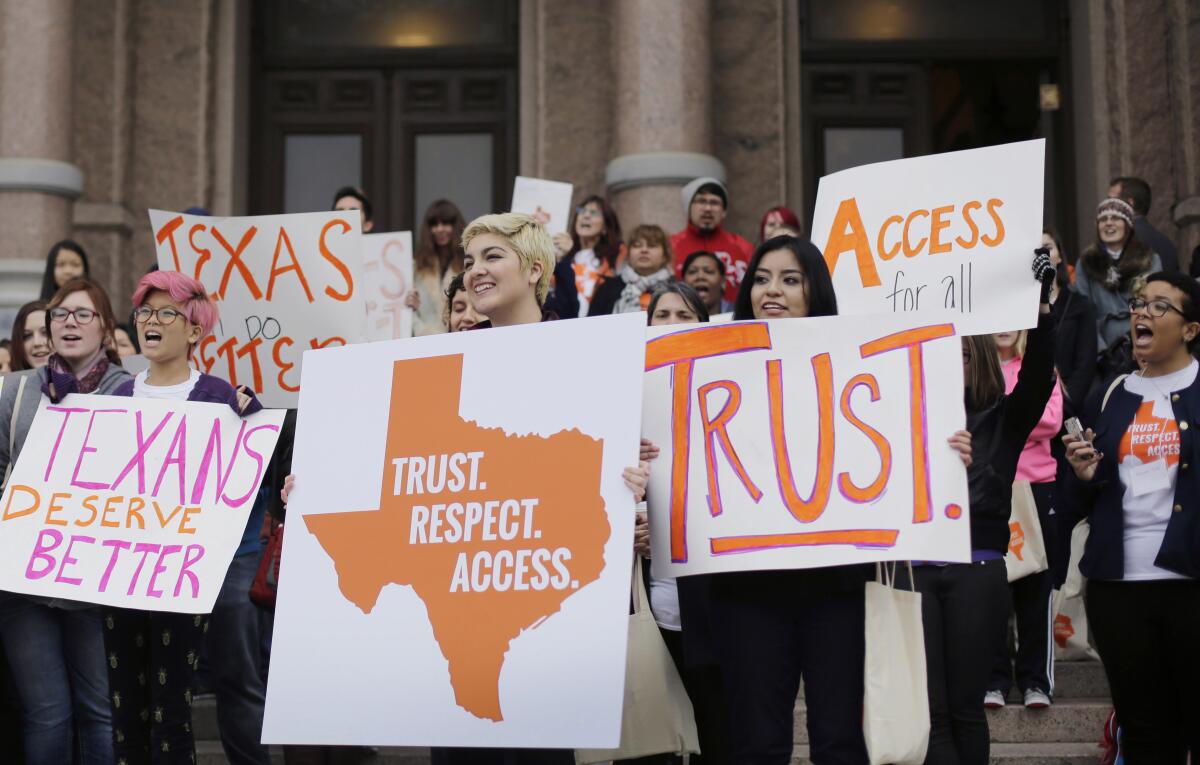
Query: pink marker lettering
[67,412]
[40,550]
[159,568]
[85,449]
[67,560]
[117,546]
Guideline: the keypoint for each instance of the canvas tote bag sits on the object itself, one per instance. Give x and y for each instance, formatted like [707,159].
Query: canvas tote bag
[896,696]
[657,717]
[1071,636]
[1026,546]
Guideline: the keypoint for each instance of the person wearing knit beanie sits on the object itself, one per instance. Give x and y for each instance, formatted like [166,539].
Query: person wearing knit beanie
[1114,206]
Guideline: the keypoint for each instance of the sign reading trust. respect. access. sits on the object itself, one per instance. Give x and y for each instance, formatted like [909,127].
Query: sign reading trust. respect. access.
[284,284]
[131,502]
[948,237]
[470,544]
[800,443]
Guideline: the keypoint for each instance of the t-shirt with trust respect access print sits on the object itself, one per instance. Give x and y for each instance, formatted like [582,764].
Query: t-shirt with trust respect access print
[1148,464]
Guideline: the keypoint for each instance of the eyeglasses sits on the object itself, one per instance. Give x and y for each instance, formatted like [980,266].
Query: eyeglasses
[591,211]
[708,202]
[82,315]
[165,315]
[1155,308]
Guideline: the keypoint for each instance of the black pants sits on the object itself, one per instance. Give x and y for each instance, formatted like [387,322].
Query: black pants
[152,659]
[1148,637]
[962,607]
[769,629]
[1030,601]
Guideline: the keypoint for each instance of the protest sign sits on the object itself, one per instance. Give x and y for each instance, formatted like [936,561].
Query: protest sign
[388,277]
[285,284]
[949,237]
[132,502]
[798,443]
[549,202]
[470,544]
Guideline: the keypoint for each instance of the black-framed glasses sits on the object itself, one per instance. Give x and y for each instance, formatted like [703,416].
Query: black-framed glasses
[165,315]
[1156,308]
[82,315]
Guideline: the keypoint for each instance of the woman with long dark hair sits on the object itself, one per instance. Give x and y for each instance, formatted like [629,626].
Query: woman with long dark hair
[65,261]
[437,258]
[589,255]
[30,337]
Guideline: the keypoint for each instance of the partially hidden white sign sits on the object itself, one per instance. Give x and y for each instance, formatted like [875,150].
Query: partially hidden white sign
[130,502]
[949,237]
[388,274]
[799,443]
[285,284]
[549,202]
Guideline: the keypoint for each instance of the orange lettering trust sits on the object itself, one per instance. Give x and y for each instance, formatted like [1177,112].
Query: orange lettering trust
[681,350]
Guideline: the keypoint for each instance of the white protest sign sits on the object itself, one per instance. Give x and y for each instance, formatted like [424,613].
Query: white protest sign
[284,284]
[948,236]
[132,502]
[388,276]
[798,443]
[549,202]
[460,530]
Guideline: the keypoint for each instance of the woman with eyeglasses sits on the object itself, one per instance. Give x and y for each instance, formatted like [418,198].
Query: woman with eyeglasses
[1107,274]
[1134,477]
[589,255]
[55,648]
[153,655]
[437,259]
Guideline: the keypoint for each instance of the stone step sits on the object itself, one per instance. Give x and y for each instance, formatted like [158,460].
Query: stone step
[1015,754]
[1080,680]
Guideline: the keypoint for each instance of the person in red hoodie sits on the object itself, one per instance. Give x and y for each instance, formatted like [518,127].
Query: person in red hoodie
[706,202]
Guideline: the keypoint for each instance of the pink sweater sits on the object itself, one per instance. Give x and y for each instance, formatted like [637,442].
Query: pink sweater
[1036,464]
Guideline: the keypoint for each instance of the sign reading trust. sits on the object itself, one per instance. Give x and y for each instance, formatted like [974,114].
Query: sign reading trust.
[799,443]
[948,237]
[470,544]
[131,502]
[285,284]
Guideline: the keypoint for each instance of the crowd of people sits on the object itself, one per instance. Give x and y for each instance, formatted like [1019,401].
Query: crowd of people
[1113,347]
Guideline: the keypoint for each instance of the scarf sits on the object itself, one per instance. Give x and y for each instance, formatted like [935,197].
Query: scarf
[636,286]
[89,380]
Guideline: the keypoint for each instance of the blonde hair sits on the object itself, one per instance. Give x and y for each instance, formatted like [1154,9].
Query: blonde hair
[527,237]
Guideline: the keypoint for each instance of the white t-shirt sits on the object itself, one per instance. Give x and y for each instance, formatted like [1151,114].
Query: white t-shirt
[587,276]
[178,392]
[1148,464]
[664,602]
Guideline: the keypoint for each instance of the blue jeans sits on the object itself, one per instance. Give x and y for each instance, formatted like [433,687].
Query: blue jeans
[234,651]
[57,661]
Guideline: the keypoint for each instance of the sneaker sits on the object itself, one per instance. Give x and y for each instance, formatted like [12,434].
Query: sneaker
[993,700]
[1036,698]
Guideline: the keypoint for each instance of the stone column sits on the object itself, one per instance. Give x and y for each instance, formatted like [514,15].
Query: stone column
[662,116]
[37,180]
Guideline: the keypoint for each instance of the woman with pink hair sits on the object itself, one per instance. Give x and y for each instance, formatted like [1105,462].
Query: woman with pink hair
[777,221]
[153,655]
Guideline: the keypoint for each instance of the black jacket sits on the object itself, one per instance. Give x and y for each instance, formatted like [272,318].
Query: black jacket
[605,298]
[1157,241]
[1074,348]
[1100,500]
[998,435]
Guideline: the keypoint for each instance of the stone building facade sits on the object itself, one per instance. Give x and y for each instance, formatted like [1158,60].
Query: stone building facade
[111,107]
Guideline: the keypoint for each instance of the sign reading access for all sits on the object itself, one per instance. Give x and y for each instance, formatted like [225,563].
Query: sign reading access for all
[549,202]
[130,502]
[471,546]
[799,443]
[388,275]
[949,237]
[285,284]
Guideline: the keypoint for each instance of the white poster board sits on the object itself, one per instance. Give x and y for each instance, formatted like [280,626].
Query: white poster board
[949,237]
[284,284]
[798,443]
[132,502]
[549,202]
[459,541]
[388,276]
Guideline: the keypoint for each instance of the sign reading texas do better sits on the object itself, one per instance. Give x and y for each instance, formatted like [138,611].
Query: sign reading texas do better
[948,237]
[131,502]
[459,541]
[285,284]
[798,443]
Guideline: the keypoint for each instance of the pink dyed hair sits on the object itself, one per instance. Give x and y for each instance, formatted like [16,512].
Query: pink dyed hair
[198,308]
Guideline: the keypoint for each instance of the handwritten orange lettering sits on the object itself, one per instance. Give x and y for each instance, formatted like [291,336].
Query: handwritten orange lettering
[876,487]
[716,429]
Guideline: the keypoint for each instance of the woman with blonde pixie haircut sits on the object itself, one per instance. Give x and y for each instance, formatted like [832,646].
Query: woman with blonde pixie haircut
[507,267]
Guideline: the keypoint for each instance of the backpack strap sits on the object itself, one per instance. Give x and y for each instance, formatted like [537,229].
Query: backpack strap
[12,430]
[1112,386]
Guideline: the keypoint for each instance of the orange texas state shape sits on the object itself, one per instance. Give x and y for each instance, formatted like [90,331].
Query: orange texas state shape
[492,531]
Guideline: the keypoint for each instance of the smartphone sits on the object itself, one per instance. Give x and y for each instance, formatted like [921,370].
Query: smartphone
[1074,427]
